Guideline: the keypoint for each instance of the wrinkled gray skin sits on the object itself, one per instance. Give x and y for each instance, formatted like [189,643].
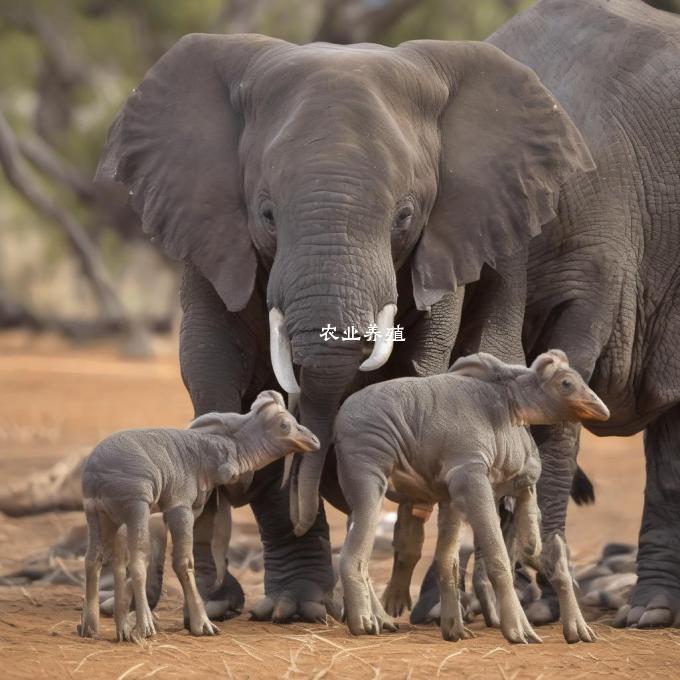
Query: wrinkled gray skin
[458,440]
[321,184]
[133,472]
[604,278]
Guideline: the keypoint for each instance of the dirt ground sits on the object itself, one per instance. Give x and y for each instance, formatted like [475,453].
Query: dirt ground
[56,399]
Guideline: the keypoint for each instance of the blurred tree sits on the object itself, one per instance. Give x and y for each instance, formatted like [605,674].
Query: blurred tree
[66,67]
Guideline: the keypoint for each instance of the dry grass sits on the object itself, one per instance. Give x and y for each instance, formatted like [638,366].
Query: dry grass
[63,399]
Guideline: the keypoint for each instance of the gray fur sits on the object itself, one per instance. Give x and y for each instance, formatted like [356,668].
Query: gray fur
[457,440]
[133,472]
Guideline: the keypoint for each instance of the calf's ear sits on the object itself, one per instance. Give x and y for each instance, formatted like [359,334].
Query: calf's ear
[545,365]
[481,366]
[208,423]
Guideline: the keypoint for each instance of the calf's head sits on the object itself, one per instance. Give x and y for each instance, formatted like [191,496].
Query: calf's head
[547,392]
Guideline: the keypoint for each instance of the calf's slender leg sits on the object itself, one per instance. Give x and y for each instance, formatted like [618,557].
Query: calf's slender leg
[409,534]
[471,494]
[364,494]
[528,525]
[122,591]
[555,565]
[89,622]
[484,591]
[446,561]
[137,522]
[180,521]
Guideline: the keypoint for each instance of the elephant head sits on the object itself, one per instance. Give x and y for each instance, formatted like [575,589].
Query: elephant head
[332,167]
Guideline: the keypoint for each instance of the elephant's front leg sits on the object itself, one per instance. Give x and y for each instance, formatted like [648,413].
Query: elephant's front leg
[298,570]
[655,600]
[217,358]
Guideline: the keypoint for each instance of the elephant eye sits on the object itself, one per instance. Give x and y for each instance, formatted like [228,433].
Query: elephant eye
[268,216]
[404,216]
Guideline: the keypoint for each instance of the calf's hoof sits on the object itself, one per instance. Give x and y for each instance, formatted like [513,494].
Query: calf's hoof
[577,630]
[516,628]
[396,601]
[364,624]
[87,628]
[125,633]
[144,626]
[203,627]
[453,631]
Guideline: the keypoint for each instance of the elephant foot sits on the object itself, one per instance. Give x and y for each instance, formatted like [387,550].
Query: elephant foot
[299,578]
[298,605]
[651,606]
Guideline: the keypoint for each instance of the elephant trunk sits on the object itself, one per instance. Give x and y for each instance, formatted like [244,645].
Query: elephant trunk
[328,369]
[328,299]
[322,394]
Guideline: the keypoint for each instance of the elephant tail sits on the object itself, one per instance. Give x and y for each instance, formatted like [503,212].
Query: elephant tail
[582,490]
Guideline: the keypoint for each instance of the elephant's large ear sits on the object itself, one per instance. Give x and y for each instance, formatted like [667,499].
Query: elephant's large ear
[506,147]
[175,146]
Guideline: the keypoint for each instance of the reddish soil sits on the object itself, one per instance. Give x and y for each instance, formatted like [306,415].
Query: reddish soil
[56,399]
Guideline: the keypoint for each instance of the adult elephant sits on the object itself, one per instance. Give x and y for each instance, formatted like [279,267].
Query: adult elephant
[320,185]
[604,279]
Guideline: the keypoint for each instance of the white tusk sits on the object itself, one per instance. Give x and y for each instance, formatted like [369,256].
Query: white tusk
[294,404]
[279,348]
[287,465]
[385,339]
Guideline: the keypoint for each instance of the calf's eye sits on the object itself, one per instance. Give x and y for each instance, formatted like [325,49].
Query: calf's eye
[285,427]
